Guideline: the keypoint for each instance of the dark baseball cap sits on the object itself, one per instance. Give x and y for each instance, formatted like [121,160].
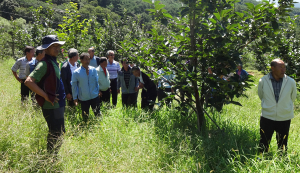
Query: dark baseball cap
[48,40]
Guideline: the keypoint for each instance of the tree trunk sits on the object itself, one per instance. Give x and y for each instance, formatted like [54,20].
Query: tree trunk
[199,104]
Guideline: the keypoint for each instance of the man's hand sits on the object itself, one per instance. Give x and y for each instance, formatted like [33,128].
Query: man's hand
[141,85]
[69,97]
[17,77]
[100,94]
[136,89]
[55,100]
[20,80]
[76,102]
[118,91]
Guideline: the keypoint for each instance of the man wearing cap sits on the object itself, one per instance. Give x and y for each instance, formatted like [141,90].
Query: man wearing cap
[113,68]
[149,92]
[45,81]
[94,60]
[67,70]
[20,65]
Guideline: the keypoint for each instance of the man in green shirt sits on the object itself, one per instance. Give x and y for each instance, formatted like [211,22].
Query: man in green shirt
[45,81]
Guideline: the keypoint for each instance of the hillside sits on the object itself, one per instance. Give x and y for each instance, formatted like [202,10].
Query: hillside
[98,8]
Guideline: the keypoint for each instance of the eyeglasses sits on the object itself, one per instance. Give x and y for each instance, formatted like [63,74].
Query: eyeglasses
[111,55]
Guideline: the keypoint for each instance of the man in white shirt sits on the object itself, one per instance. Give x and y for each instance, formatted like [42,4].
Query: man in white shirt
[20,65]
[277,93]
[113,68]
[67,70]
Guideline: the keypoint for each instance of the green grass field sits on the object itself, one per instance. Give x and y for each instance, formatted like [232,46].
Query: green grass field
[136,141]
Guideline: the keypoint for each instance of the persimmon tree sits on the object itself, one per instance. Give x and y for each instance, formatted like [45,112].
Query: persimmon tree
[207,34]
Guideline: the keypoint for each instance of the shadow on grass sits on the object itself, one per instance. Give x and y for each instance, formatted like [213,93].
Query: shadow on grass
[211,150]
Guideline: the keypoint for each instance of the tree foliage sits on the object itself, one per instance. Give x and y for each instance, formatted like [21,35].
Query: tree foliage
[207,34]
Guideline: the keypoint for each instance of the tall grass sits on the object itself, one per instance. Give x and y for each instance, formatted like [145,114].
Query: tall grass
[131,140]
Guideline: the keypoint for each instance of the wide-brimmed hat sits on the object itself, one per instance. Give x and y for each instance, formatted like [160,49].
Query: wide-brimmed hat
[48,40]
[39,48]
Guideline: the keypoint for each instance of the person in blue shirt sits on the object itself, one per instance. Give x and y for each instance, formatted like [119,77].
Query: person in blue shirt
[30,66]
[40,54]
[241,72]
[85,87]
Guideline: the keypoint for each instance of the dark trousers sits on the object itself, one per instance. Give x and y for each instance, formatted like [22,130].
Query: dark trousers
[148,99]
[162,93]
[25,91]
[85,107]
[105,97]
[267,128]
[114,90]
[71,103]
[129,100]
[56,125]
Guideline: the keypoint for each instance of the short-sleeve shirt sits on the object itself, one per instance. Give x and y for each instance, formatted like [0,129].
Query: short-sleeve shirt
[38,73]
[113,69]
[20,65]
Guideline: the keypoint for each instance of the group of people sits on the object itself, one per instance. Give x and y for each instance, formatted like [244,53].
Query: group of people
[99,78]
[90,84]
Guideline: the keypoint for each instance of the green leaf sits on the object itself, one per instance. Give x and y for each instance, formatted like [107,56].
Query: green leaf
[168,15]
[148,1]
[151,10]
[258,6]
[240,14]
[213,20]
[236,103]
[159,6]
[232,26]
[224,12]
[250,6]
[217,16]
[156,3]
